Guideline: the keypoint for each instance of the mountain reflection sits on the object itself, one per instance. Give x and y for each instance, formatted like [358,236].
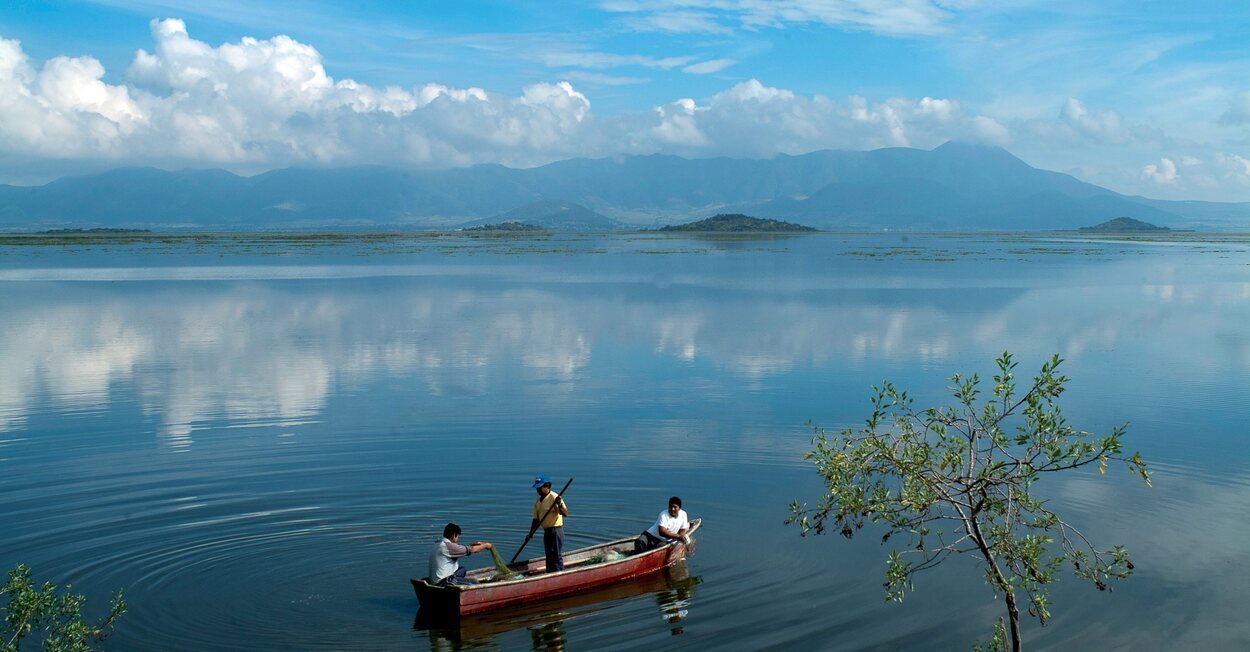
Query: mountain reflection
[274,353]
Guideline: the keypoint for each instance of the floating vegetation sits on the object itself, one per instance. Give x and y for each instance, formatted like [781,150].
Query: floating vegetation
[1041,250]
[364,244]
[887,252]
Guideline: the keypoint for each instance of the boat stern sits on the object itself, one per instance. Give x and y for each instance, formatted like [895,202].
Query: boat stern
[436,599]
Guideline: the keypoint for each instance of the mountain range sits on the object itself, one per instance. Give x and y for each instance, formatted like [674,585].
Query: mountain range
[556,216]
[954,186]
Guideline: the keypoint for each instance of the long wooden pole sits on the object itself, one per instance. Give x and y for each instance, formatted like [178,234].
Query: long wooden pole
[540,521]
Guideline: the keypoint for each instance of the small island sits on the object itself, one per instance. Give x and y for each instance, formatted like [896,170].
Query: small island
[102,229]
[738,223]
[1124,225]
[506,227]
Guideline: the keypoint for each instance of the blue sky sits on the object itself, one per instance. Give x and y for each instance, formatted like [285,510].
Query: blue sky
[1146,97]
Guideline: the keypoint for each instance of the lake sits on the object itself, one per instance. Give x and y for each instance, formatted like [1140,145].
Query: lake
[261,436]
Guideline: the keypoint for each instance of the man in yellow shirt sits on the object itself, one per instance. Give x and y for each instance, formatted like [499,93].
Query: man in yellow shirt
[551,520]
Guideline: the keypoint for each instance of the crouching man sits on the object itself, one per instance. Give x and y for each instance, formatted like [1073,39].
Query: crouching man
[445,558]
[672,525]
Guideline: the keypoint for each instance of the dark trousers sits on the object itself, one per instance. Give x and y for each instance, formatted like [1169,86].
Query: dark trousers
[647,541]
[457,577]
[553,545]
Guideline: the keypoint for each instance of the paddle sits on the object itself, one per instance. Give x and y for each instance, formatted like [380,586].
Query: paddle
[535,528]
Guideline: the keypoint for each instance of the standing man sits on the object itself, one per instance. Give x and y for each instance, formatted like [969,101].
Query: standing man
[445,558]
[551,520]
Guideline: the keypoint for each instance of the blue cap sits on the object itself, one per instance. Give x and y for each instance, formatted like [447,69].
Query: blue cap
[540,480]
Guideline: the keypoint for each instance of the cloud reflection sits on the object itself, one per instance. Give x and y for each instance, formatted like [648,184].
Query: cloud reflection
[268,353]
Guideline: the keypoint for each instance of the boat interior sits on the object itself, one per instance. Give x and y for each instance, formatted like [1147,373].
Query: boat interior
[591,555]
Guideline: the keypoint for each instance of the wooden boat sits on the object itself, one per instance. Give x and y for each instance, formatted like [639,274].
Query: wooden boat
[671,587]
[581,572]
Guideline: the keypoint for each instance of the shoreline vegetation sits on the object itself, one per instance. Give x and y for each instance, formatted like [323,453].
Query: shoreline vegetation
[92,231]
[935,247]
[57,236]
[506,227]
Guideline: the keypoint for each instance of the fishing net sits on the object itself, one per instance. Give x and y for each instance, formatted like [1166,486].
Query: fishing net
[502,572]
[611,555]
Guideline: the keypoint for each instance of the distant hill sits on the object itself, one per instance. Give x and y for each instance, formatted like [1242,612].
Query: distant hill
[738,223]
[557,216]
[1123,224]
[506,227]
[1208,215]
[955,186]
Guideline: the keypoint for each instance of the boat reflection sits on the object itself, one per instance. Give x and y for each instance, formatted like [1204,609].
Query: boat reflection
[673,589]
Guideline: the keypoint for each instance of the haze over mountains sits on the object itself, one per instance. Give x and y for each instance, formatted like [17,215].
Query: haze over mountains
[955,186]
[556,216]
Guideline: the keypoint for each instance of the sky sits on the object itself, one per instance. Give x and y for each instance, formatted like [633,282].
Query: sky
[1143,97]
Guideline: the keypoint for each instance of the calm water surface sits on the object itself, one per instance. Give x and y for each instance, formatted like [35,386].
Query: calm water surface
[261,439]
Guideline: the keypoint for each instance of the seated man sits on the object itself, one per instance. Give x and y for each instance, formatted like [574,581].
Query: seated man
[672,525]
[445,567]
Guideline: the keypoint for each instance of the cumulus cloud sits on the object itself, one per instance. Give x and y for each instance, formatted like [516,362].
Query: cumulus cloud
[1191,173]
[1234,165]
[1079,125]
[753,119]
[1100,126]
[1164,172]
[263,103]
[677,124]
[63,109]
[267,102]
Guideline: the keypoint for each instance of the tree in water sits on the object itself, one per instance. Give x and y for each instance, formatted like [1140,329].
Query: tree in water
[956,480]
[54,621]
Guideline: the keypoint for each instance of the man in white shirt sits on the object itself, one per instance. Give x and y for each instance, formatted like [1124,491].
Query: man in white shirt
[672,525]
[445,557]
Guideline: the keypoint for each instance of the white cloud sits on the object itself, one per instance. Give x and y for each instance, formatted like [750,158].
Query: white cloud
[677,124]
[64,109]
[990,131]
[1099,126]
[708,67]
[268,102]
[678,21]
[598,60]
[888,17]
[264,103]
[1164,172]
[1232,167]
[1189,174]
[752,119]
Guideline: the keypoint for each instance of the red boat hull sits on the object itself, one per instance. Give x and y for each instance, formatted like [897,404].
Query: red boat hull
[579,575]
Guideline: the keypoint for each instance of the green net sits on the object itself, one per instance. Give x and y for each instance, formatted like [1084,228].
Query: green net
[610,555]
[501,569]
